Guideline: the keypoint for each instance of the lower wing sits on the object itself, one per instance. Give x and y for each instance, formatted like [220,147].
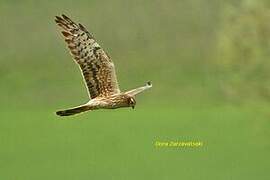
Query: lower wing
[136,91]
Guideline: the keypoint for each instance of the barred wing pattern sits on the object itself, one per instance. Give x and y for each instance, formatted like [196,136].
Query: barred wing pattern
[96,66]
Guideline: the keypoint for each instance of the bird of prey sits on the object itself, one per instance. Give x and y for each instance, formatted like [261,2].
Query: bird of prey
[97,69]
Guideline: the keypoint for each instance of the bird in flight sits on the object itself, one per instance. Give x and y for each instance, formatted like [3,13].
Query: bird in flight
[97,69]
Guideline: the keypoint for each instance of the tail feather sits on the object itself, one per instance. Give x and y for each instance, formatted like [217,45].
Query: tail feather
[73,111]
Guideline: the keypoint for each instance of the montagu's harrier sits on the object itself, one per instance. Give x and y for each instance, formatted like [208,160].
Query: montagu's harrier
[97,69]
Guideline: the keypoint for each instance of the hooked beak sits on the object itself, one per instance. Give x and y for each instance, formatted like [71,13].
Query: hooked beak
[133,107]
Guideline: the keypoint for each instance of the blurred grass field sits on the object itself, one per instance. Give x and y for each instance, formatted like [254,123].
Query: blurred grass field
[210,84]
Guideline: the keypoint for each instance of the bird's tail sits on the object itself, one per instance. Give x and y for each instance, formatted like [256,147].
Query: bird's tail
[73,111]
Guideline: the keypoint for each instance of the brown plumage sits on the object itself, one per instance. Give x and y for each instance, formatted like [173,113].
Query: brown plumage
[97,69]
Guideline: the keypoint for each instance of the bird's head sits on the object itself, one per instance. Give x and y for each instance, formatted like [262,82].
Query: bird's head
[131,102]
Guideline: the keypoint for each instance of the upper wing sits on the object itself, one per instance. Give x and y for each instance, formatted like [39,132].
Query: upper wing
[96,66]
[136,91]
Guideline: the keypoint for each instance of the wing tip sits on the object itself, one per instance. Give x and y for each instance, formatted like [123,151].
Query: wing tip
[149,84]
[58,18]
[60,113]
[62,18]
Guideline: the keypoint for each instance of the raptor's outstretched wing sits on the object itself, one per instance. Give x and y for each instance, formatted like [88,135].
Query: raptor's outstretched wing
[96,66]
[136,91]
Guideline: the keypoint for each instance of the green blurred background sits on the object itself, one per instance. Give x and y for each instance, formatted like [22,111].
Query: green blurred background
[209,64]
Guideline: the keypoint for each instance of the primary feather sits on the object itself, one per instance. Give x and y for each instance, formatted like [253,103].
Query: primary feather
[96,66]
